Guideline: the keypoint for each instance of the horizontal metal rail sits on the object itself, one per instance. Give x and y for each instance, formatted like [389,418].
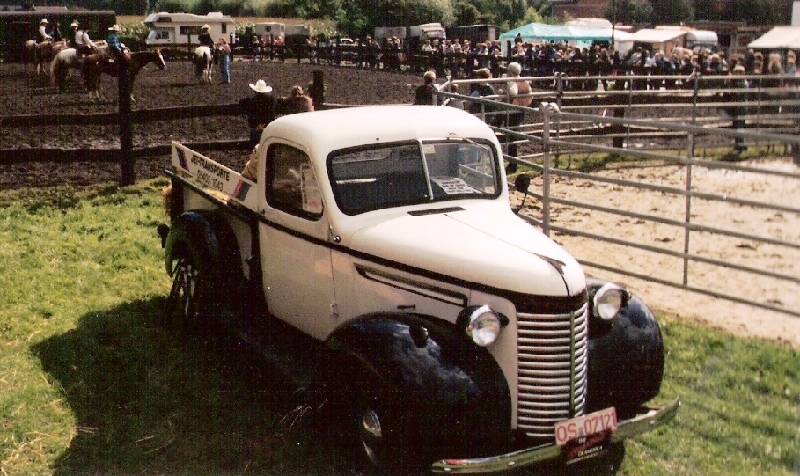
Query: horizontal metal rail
[680,127]
[709,164]
[675,254]
[706,292]
[669,221]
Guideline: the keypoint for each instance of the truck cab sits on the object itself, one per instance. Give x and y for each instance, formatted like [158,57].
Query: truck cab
[463,337]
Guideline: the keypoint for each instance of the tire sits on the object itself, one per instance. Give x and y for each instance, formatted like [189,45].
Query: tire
[383,444]
[186,302]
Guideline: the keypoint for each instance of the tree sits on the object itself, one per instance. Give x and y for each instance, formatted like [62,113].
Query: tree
[630,11]
[465,13]
[759,12]
[671,12]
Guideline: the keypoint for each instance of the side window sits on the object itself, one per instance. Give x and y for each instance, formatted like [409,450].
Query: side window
[291,184]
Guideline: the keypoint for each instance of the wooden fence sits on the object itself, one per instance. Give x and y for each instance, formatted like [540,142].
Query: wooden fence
[125,118]
[622,104]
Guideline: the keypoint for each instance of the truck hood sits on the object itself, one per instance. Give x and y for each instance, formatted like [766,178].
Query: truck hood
[489,247]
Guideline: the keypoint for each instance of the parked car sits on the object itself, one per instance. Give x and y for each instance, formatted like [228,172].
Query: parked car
[381,243]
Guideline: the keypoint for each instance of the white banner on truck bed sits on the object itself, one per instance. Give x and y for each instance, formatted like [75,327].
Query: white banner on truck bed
[212,175]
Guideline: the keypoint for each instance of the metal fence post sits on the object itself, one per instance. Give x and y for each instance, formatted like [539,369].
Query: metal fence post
[545,108]
[628,114]
[688,197]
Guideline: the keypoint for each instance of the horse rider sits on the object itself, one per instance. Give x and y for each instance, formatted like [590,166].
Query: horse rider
[205,37]
[115,46]
[205,40]
[43,35]
[81,41]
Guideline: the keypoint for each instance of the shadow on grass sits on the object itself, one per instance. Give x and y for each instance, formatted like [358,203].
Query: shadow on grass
[148,400]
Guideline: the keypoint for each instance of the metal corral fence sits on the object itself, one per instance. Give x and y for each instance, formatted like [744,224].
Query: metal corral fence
[537,136]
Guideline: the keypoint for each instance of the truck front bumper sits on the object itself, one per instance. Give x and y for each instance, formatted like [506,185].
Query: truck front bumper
[637,425]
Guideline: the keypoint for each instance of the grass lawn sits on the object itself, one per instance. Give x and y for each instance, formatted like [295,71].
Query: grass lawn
[91,383]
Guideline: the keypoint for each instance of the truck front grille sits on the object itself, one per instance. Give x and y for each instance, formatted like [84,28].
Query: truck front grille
[552,351]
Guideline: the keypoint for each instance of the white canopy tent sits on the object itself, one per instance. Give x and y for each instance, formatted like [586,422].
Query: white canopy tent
[664,39]
[778,38]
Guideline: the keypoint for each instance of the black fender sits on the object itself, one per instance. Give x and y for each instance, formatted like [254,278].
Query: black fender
[209,239]
[626,357]
[453,390]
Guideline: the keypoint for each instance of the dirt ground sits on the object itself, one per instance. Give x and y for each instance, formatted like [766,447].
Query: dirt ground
[175,86]
[738,318]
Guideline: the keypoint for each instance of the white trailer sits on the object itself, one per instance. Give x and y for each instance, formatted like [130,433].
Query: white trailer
[182,28]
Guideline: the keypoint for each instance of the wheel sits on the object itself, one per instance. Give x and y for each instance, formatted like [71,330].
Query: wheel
[382,443]
[184,305]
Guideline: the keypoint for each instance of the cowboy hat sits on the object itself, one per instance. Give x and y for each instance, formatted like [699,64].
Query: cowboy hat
[205,27]
[44,20]
[261,87]
[114,28]
[74,23]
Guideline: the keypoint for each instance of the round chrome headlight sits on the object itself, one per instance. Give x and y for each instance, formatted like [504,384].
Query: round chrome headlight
[483,326]
[608,300]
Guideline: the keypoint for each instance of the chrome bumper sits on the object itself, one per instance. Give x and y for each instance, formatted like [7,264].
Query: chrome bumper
[641,423]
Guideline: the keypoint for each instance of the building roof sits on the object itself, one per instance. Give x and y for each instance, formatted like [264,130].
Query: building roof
[779,37]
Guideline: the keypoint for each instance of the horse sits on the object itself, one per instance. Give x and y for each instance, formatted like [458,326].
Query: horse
[29,53]
[203,64]
[63,61]
[40,53]
[95,65]
[67,59]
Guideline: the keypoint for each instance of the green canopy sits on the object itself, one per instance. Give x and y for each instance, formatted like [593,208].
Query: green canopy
[541,32]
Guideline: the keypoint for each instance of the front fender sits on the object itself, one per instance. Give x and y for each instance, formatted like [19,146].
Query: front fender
[626,359]
[453,390]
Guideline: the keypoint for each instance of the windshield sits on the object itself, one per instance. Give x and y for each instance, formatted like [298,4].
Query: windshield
[391,175]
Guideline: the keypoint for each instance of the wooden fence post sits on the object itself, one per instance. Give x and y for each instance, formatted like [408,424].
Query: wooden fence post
[317,89]
[127,163]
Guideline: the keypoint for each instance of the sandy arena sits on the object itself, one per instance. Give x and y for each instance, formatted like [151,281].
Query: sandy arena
[737,318]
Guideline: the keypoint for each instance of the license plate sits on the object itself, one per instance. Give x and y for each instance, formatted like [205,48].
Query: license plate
[599,422]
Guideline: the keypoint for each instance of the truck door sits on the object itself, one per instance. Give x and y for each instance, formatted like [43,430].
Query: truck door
[296,264]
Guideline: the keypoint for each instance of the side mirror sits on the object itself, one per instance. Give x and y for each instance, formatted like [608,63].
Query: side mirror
[522,183]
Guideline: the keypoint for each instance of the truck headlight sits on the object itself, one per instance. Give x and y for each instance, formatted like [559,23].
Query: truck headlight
[608,300]
[483,325]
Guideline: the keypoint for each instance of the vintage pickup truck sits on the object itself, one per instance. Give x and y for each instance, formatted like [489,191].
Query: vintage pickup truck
[460,337]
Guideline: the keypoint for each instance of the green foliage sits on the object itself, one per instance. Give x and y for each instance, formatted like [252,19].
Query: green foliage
[630,12]
[465,13]
[671,12]
[758,12]
[134,35]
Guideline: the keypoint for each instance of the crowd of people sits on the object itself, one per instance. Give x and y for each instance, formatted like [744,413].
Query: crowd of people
[461,58]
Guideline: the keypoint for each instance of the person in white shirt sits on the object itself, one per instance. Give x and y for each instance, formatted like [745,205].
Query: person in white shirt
[43,35]
[81,41]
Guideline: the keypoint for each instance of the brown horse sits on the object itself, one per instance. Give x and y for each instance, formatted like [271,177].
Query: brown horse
[40,53]
[94,65]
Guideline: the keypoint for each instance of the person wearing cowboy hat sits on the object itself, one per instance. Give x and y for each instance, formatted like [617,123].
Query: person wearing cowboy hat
[81,41]
[115,46]
[260,109]
[205,37]
[43,35]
